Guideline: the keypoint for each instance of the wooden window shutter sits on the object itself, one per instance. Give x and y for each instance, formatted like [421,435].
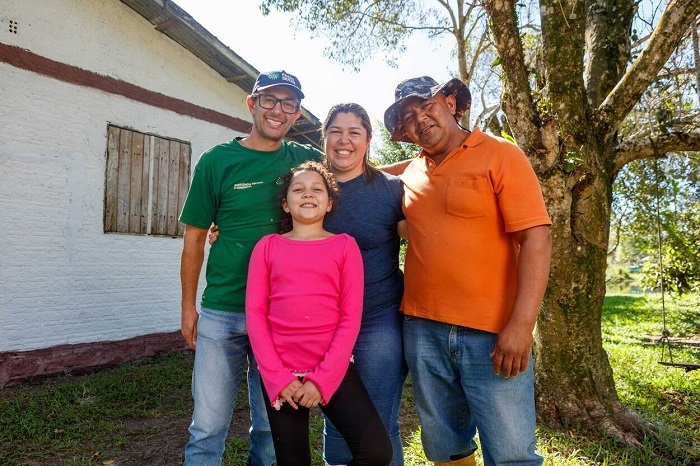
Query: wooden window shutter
[146,182]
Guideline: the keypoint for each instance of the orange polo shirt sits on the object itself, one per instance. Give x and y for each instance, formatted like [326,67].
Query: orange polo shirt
[461,263]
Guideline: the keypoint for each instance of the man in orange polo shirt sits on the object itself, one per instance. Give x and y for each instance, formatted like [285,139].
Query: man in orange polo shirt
[476,270]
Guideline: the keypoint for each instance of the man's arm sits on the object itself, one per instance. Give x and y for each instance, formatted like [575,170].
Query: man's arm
[190,266]
[396,168]
[402,229]
[512,351]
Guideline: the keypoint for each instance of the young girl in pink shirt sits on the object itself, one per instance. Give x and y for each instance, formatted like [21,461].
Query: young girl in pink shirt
[303,313]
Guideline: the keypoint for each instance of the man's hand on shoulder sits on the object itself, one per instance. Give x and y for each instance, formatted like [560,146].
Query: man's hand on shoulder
[213,234]
[396,168]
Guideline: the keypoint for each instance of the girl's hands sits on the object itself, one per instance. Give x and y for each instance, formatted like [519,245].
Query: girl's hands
[288,393]
[298,394]
[308,395]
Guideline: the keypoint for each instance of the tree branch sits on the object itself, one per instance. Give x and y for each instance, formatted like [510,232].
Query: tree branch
[668,74]
[673,25]
[655,146]
[517,97]
[563,33]
[607,46]
[379,19]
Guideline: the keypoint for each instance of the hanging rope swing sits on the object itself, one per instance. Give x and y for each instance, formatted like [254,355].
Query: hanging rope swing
[665,340]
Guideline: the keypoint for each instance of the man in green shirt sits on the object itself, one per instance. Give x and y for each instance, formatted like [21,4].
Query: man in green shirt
[234,186]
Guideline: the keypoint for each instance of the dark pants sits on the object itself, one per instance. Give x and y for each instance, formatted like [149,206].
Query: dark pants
[350,410]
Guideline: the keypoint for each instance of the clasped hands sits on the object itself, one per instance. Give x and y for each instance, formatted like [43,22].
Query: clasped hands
[301,394]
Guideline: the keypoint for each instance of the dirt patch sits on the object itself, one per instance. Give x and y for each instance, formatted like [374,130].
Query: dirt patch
[156,442]
[161,442]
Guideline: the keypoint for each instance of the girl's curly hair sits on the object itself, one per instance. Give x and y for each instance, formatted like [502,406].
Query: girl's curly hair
[286,179]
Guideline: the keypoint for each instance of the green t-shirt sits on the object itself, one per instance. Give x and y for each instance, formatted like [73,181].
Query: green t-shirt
[235,187]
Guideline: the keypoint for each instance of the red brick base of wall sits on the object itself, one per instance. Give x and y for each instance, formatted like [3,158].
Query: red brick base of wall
[16,367]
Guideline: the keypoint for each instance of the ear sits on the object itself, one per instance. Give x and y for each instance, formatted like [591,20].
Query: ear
[296,116]
[451,102]
[285,207]
[250,102]
[330,205]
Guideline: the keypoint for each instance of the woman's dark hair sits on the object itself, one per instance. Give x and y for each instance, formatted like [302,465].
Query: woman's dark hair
[286,179]
[356,109]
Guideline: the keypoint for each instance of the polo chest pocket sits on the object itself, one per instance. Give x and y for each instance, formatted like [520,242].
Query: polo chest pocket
[467,198]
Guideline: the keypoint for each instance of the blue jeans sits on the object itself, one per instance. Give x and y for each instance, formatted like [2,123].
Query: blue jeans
[456,393]
[221,356]
[378,356]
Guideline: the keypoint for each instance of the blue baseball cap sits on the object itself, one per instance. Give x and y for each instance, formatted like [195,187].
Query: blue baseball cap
[277,78]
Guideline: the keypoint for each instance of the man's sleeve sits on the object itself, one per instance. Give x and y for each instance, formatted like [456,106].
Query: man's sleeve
[520,196]
[201,203]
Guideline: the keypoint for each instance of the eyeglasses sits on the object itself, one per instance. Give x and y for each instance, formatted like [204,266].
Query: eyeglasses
[268,102]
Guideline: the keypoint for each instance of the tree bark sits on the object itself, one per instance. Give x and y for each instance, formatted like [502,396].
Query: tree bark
[573,378]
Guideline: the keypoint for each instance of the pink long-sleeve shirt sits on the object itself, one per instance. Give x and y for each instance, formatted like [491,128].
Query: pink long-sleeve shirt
[303,310]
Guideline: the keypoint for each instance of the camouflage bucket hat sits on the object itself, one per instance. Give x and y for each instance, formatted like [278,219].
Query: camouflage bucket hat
[424,87]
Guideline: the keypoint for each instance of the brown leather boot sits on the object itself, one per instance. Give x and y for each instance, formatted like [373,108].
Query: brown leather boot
[466,461]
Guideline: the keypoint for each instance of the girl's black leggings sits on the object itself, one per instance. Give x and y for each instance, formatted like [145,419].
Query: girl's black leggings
[350,410]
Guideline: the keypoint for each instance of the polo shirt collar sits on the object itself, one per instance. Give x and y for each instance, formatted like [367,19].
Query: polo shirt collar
[475,138]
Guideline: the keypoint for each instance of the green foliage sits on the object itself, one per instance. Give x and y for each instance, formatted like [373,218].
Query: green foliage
[357,28]
[674,184]
[667,105]
[508,137]
[619,278]
[680,254]
[385,152]
[571,160]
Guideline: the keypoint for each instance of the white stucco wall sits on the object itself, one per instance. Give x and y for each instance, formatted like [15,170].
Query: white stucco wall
[62,280]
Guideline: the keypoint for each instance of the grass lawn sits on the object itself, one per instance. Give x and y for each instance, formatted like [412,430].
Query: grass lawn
[137,414]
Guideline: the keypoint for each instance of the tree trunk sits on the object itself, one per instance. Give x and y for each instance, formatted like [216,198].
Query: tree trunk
[574,384]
